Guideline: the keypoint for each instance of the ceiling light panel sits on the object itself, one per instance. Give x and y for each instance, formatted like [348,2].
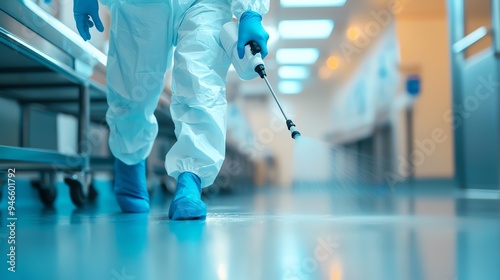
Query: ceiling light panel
[305,29]
[294,72]
[312,3]
[290,87]
[297,56]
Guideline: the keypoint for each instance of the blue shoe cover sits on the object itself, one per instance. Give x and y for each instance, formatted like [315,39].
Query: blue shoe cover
[130,187]
[187,203]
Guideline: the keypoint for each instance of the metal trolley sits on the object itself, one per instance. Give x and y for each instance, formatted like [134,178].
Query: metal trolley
[48,69]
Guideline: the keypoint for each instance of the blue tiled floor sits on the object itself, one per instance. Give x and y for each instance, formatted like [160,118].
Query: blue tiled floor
[433,233]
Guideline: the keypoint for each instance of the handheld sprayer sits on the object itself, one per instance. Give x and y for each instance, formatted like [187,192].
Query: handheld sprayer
[251,65]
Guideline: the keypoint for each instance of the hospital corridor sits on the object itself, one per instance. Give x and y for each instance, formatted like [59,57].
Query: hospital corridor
[250,139]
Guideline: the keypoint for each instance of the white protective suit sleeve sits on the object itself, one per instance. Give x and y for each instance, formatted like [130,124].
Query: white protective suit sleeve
[238,7]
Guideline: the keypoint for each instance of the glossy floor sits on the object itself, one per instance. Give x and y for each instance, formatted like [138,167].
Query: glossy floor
[433,233]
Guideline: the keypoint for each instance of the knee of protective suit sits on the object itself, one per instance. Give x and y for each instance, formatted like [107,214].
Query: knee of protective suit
[204,98]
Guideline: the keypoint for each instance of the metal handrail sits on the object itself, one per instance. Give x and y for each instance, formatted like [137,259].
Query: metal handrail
[469,40]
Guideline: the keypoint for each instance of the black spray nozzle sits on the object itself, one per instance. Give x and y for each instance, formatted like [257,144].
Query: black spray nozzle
[295,134]
[293,129]
[261,70]
[255,49]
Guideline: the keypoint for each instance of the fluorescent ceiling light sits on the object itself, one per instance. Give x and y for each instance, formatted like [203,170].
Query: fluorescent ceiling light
[293,72]
[312,3]
[297,56]
[273,35]
[290,87]
[305,29]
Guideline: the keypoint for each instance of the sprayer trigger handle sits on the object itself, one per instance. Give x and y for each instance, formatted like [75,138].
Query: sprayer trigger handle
[254,47]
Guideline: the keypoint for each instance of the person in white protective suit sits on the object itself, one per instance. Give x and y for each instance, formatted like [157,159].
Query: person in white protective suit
[143,34]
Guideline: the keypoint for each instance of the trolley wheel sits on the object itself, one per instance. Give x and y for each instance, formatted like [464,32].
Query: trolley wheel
[163,187]
[152,182]
[76,192]
[212,191]
[47,193]
[168,185]
[92,193]
[81,189]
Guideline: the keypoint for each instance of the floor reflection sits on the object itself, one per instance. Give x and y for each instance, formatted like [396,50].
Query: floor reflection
[270,234]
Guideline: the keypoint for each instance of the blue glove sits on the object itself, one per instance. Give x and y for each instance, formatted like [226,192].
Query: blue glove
[83,11]
[251,29]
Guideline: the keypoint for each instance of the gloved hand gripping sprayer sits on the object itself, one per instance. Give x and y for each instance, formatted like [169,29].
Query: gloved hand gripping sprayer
[251,65]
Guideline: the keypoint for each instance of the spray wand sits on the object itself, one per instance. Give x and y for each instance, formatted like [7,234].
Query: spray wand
[252,50]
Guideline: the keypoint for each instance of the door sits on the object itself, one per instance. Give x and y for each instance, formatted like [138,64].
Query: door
[476,89]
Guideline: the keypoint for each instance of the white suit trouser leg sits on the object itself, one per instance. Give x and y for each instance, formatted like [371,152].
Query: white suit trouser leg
[198,83]
[139,53]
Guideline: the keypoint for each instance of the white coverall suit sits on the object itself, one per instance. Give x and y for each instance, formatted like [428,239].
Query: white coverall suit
[142,37]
